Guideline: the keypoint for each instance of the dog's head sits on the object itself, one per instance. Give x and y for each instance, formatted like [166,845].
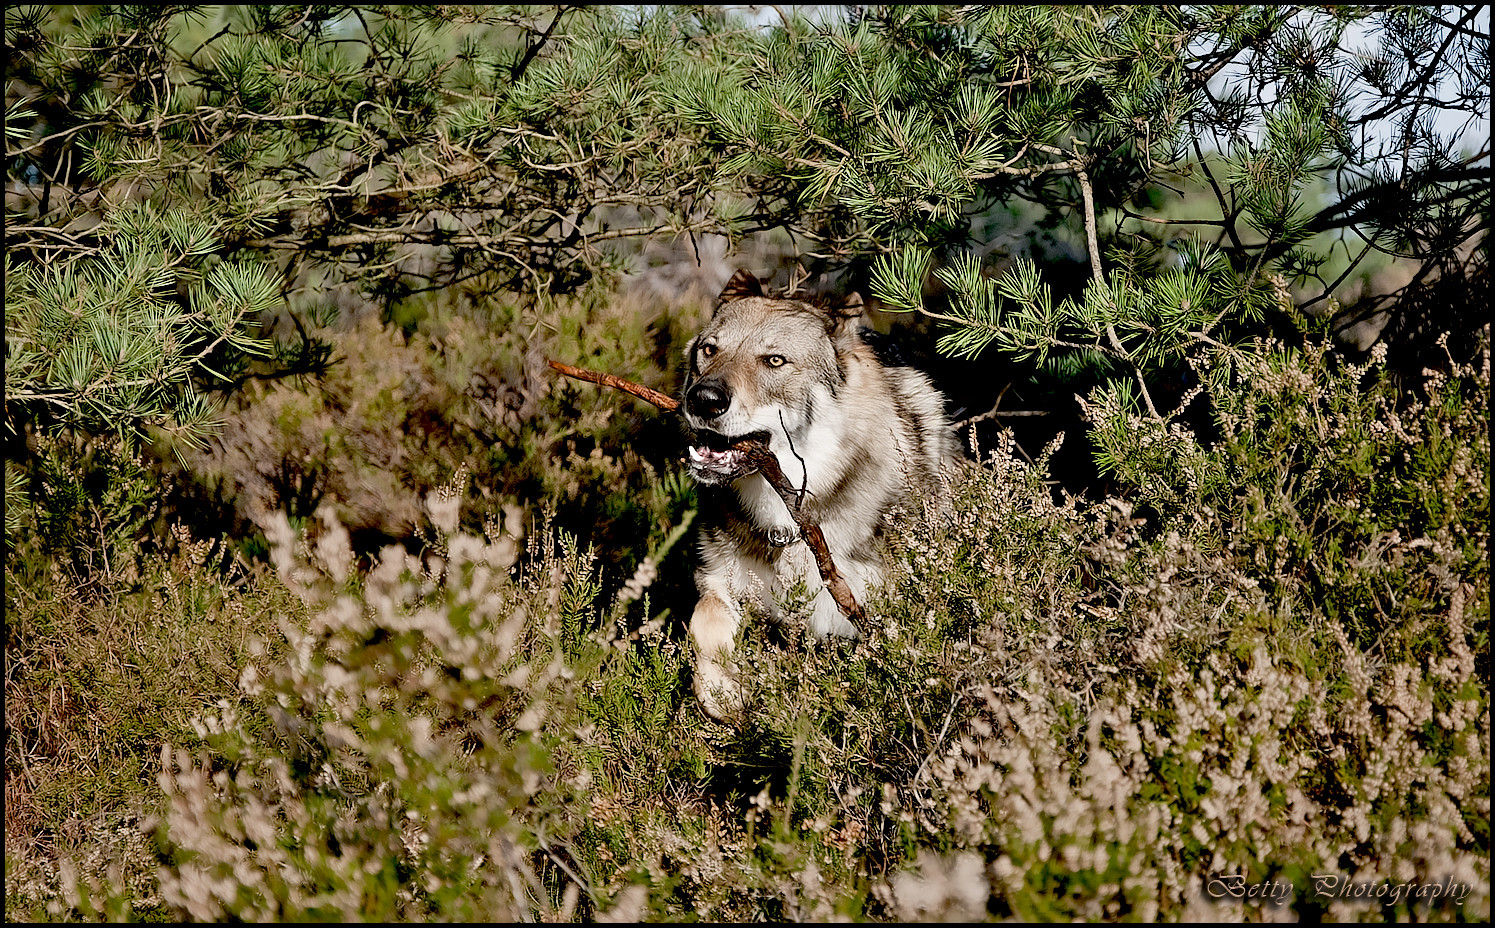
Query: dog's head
[759,367]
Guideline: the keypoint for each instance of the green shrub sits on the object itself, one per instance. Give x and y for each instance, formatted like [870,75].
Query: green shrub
[96,678]
[468,389]
[1062,708]
[82,510]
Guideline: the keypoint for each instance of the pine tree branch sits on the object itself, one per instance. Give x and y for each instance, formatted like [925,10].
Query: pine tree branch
[1087,196]
[1426,77]
[1092,242]
[533,48]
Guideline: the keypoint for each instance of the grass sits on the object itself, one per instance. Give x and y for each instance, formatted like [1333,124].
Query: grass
[95,683]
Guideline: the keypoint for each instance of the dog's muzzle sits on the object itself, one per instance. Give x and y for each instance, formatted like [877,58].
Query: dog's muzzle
[712,458]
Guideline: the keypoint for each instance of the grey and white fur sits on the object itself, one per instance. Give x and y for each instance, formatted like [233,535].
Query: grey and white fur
[854,435]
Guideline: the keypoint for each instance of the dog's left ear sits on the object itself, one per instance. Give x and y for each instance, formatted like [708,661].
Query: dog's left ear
[844,312]
[849,305]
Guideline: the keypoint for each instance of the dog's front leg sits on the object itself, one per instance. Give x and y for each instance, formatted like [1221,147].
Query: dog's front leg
[713,628]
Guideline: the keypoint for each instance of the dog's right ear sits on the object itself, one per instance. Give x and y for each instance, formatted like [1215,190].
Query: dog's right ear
[740,286]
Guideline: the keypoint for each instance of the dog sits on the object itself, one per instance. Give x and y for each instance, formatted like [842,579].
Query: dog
[854,435]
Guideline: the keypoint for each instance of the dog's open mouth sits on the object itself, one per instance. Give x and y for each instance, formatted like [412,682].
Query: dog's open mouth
[712,458]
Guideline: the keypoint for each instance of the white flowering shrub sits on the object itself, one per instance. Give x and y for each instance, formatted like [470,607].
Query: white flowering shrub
[1062,709]
[410,773]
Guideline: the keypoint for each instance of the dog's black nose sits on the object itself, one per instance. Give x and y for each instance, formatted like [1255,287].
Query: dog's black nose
[707,400]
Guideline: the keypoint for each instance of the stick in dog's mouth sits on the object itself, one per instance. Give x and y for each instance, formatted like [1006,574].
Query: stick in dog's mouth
[755,454]
[715,458]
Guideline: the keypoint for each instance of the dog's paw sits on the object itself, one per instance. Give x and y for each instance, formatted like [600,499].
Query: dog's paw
[719,694]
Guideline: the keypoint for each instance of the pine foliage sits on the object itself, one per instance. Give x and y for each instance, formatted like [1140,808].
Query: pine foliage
[899,131]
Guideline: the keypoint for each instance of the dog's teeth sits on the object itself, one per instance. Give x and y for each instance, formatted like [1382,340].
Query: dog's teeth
[695,454]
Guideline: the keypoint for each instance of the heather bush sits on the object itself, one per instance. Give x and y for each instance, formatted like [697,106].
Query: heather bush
[420,715]
[1062,708]
[98,675]
[467,389]
[1295,683]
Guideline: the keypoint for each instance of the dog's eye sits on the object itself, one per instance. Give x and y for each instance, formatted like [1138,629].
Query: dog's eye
[774,360]
[708,350]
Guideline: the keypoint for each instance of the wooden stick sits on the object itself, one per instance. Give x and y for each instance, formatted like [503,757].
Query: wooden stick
[662,400]
[767,463]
